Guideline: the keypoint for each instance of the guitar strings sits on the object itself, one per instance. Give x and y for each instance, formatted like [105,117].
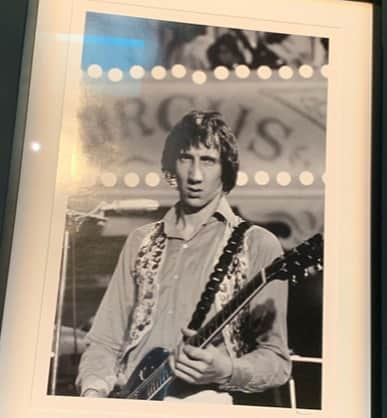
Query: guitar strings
[151,376]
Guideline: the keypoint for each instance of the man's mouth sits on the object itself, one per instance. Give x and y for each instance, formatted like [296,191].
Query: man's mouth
[192,191]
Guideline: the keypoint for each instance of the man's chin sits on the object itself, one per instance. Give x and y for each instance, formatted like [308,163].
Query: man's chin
[194,203]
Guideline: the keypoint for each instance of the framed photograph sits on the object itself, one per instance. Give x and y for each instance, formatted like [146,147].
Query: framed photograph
[193,218]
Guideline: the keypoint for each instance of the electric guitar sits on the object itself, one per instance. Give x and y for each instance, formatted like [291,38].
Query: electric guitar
[151,378]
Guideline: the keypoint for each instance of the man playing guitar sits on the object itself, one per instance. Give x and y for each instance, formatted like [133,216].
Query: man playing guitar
[163,271]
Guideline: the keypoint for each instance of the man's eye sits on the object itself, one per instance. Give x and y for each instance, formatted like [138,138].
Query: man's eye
[184,157]
[208,161]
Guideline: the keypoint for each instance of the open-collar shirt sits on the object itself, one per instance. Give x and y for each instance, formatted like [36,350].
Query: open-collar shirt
[187,266]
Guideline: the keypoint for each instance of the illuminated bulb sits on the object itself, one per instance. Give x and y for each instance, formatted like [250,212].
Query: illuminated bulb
[199,77]
[306,178]
[221,72]
[108,179]
[242,71]
[262,178]
[242,178]
[94,71]
[283,178]
[285,72]
[158,72]
[131,179]
[178,71]
[325,70]
[115,75]
[152,179]
[264,72]
[306,71]
[137,72]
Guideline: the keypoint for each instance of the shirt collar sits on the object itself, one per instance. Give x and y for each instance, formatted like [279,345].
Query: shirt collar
[226,213]
[223,213]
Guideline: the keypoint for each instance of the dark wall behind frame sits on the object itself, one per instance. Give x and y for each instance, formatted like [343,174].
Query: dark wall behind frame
[16,38]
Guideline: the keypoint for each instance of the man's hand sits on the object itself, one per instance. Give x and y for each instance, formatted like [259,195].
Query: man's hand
[92,393]
[200,366]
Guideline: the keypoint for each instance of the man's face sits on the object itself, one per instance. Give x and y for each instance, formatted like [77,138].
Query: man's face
[199,176]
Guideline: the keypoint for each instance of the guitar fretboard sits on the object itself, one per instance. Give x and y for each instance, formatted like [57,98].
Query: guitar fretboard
[299,258]
[228,312]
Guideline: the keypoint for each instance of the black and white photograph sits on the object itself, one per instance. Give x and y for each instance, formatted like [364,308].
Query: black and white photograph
[192,261]
[190,223]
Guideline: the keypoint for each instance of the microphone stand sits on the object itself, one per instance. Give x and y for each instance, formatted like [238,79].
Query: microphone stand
[74,221]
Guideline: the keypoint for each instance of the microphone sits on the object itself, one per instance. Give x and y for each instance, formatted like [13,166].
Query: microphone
[98,213]
[130,204]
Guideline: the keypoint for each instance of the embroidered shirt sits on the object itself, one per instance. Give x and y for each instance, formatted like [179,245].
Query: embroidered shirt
[183,274]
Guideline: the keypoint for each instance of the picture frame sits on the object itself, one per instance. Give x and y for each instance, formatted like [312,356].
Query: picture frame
[37,410]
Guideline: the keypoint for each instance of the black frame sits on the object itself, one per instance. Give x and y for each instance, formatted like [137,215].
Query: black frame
[17,39]
[12,33]
[17,30]
[379,208]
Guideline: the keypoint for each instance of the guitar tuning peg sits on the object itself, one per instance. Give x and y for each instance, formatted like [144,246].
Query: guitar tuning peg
[319,267]
[294,279]
[306,273]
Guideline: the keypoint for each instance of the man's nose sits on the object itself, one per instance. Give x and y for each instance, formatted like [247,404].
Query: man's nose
[195,174]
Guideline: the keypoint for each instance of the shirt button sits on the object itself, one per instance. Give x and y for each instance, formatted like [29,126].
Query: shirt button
[175,276]
[185,246]
[170,312]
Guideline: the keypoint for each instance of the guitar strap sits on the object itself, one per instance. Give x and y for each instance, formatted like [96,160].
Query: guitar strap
[220,270]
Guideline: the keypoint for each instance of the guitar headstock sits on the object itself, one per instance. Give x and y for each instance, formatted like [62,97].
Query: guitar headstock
[298,264]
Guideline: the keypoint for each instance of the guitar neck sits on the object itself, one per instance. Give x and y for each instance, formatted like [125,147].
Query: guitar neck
[212,328]
[291,266]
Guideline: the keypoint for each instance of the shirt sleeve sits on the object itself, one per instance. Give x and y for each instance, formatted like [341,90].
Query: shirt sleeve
[268,364]
[97,368]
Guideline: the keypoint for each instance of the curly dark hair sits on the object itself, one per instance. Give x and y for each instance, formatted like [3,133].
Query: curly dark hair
[210,130]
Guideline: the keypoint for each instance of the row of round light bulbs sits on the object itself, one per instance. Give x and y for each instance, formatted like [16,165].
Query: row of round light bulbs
[178,71]
[152,179]
[261,178]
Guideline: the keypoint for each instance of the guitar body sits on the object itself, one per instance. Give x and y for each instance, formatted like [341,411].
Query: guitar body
[149,364]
